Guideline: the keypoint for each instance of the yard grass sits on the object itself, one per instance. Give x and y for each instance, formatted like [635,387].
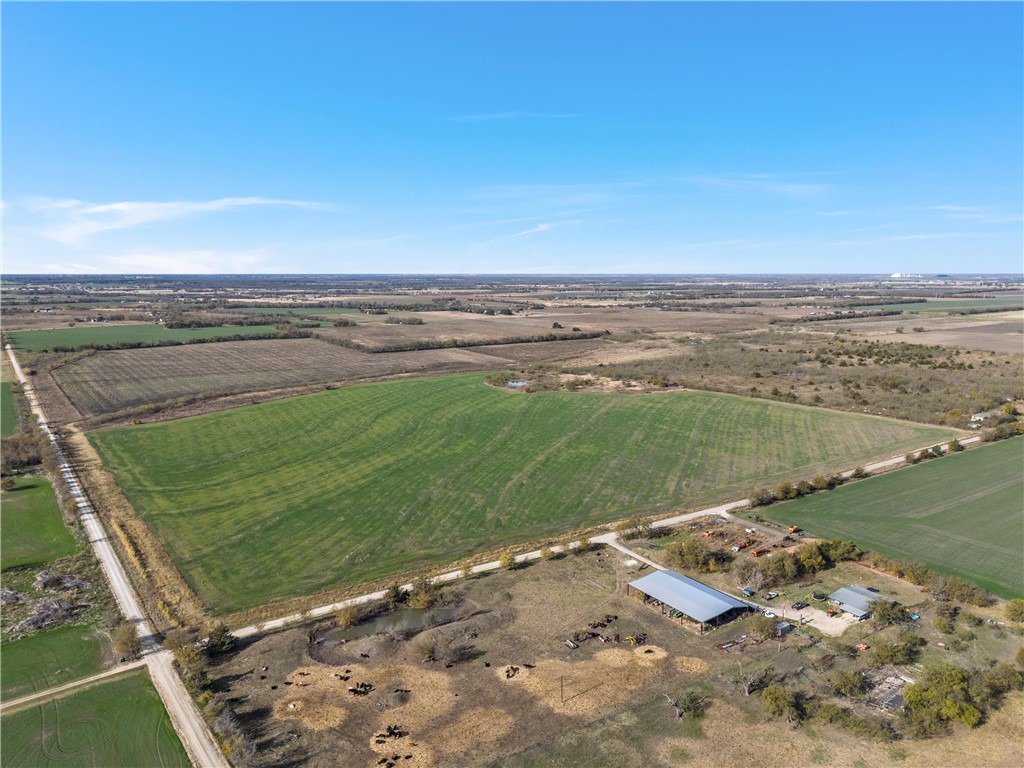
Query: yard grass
[118,722]
[337,488]
[962,515]
[47,339]
[31,526]
[49,659]
[8,413]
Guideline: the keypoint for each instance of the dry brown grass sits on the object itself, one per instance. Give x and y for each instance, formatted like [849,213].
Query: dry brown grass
[582,687]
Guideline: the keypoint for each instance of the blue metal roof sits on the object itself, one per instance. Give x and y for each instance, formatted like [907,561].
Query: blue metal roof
[696,600]
[855,600]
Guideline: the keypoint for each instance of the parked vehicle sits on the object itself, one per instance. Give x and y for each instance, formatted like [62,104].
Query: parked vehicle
[771,595]
[799,605]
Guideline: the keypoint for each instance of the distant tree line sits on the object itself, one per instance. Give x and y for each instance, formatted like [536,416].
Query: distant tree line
[291,333]
[410,346]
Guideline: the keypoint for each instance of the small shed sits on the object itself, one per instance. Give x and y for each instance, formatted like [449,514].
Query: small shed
[855,601]
[690,597]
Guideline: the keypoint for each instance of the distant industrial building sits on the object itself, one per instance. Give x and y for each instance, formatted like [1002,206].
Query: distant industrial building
[689,597]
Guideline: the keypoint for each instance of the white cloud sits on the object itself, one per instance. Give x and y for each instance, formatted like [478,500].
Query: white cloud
[759,182]
[72,222]
[542,227]
[909,238]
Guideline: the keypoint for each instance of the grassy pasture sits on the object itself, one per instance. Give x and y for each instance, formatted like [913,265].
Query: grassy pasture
[272,501]
[8,413]
[112,380]
[49,659]
[936,306]
[962,515]
[48,338]
[31,526]
[119,722]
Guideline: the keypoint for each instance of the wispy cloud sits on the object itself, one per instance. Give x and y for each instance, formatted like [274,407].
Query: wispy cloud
[975,214]
[513,115]
[557,195]
[768,183]
[913,237]
[546,226]
[72,222]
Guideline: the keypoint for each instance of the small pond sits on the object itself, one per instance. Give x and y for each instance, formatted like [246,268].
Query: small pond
[405,618]
[517,384]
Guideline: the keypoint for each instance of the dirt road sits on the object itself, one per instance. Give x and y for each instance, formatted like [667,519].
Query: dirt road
[189,724]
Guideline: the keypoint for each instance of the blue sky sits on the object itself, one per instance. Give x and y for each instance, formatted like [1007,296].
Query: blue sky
[521,137]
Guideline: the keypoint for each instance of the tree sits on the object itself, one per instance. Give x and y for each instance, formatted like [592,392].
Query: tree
[762,628]
[424,593]
[884,613]
[690,554]
[220,639]
[690,704]
[556,325]
[347,616]
[762,497]
[394,595]
[811,559]
[846,683]
[777,701]
[943,695]
[820,483]
[546,553]
[785,491]
[1014,610]
[954,446]
[507,562]
[125,640]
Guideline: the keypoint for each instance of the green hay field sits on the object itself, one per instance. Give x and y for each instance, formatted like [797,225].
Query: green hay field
[31,527]
[146,333]
[49,659]
[120,722]
[962,515]
[941,307]
[288,498]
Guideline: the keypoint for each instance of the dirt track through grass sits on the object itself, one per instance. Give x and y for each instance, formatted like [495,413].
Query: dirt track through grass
[288,498]
[961,515]
[48,659]
[117,723]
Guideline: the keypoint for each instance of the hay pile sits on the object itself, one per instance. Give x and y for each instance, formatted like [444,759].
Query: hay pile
[582,687]
[690,664]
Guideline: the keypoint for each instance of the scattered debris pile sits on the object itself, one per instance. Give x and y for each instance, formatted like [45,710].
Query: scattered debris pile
[49,612]
[59,582]
[10,597]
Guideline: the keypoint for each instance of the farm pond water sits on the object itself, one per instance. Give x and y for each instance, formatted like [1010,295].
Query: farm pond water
[516,384]
[405,618]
